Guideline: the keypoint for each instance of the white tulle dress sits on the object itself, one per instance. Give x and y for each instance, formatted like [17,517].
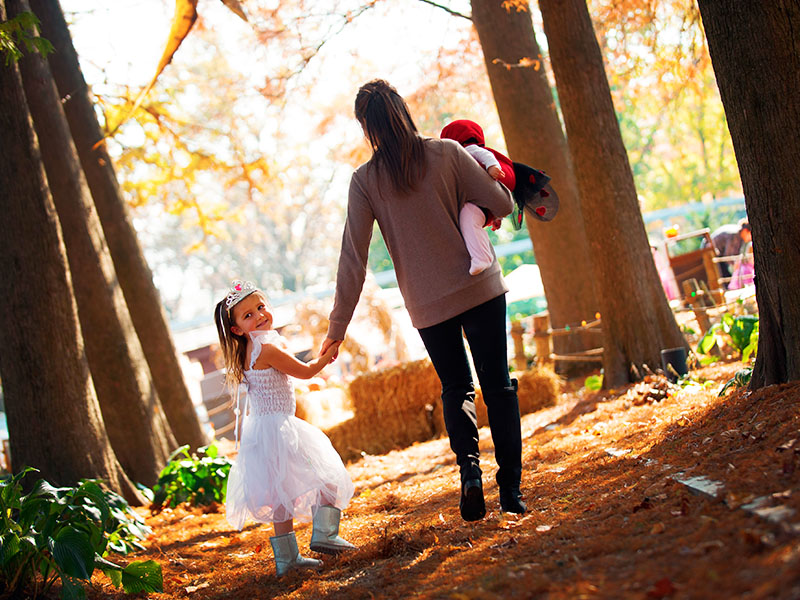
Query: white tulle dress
[285,466]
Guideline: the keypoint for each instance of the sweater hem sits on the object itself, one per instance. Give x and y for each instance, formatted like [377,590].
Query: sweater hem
[455,303]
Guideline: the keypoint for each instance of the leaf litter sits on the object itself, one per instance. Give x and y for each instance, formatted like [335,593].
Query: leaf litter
[607,515]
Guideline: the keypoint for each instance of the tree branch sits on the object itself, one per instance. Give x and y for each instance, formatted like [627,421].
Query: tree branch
[455,13]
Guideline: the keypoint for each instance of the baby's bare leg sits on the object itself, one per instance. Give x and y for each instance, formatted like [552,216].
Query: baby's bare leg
[471,220]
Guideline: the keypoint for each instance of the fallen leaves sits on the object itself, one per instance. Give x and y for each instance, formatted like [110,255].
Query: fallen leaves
[597,526]
[663,588]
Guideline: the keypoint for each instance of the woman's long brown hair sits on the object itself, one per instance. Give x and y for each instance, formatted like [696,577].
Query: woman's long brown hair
[234,347]
[387,123]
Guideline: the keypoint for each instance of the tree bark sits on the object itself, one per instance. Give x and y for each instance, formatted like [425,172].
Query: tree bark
[756,59]
[135,277]
[534,136]
[54,420]
[127,397]
[637,320]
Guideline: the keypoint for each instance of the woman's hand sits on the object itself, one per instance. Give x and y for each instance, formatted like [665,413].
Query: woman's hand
[327,344]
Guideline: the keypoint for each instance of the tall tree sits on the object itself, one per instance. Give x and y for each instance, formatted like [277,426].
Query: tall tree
[755,54]
[121,378]
[533,135]
[54,419]
[135,278]
[637,320]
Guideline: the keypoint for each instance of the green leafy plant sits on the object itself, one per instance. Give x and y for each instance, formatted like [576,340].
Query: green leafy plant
[593,382]
[192,479]
[19,32]
[740,380]
[65,533]
[742,331]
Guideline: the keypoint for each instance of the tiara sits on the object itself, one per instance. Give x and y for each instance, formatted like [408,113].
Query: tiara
[238,292]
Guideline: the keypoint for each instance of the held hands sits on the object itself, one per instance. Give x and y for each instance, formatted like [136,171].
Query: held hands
[329,350]
[496,172]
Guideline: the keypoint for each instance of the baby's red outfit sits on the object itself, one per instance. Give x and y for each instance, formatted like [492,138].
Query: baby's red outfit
[529,186]
[467,132]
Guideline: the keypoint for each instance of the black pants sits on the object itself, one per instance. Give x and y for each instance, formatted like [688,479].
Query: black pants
[485,329]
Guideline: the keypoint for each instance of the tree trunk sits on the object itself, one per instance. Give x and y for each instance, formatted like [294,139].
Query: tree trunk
[756,58]
[135,277]
[637,320]
[54,420]
[122,382]
[534,136]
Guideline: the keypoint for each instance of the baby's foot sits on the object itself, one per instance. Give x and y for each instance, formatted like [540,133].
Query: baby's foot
[478,266]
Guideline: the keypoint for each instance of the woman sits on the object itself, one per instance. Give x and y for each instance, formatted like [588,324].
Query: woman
[415,187]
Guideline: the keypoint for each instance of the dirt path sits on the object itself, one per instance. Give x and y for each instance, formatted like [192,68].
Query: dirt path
[609,516]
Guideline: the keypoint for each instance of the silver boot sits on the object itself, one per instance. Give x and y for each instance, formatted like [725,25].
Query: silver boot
[287,556]
[325,535]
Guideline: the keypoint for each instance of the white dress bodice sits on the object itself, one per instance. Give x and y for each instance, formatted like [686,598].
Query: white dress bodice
[269,391]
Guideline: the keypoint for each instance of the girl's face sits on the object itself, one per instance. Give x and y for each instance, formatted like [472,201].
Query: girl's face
[251,314]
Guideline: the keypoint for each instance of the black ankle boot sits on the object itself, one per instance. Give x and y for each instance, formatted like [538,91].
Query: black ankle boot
[471,504]
[511,500]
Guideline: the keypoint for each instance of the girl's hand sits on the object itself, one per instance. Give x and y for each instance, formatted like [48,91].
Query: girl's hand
[496,172]
[329,354]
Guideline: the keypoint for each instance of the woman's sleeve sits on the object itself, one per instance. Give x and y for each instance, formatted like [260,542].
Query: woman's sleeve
[352,260]
[479,188]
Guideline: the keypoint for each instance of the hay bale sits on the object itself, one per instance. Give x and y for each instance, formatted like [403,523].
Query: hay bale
[538,389]
[401,405]
[395,405]
[348,439]
[323,408]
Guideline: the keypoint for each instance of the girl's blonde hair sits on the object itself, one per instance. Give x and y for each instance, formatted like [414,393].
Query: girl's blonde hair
[234,347]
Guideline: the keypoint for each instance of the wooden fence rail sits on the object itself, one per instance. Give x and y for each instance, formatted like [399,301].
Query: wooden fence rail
[543,335]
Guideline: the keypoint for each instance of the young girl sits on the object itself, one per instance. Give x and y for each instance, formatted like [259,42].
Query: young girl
[529,187]
[286,469]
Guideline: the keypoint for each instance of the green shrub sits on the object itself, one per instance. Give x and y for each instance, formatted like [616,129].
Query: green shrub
[188,478]
[593,382]
[65,533]
[740,380]
[742,331]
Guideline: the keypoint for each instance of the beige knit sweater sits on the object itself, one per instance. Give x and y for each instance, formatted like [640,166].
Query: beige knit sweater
[422,235]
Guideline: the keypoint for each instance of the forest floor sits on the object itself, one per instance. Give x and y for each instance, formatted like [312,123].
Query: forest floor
[612,513]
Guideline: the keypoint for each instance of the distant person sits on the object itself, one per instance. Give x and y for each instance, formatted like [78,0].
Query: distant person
[526,184]
[415,187]
[729,240]
[743,269]
[286,468]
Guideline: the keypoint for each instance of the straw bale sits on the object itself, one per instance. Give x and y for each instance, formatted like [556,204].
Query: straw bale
[538,389]
[401,405]
[348,439]
[395,405]
[324,408]
[300,410]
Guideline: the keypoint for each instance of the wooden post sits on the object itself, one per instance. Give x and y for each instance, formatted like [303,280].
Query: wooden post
[520,360]
[713,275]
[543,339]
[694,297]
